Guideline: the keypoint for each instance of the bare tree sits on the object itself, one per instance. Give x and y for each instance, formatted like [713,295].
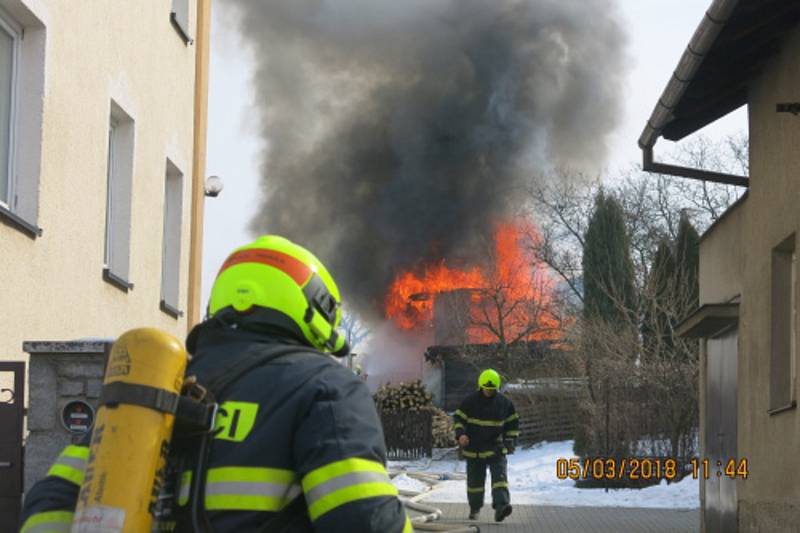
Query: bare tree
[707,201]
[653,205]
[515,303]
[515,306]
[561,206]
[643,405]
[355,329]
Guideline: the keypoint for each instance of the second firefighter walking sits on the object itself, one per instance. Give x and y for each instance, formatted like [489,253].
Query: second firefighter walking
[487,427]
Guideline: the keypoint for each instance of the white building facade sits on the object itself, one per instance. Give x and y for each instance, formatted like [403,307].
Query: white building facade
[97,140]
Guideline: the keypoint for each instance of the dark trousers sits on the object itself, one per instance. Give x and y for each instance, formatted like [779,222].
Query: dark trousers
[476,481]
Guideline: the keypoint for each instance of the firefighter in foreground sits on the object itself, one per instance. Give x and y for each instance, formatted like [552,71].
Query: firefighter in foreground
[487,427]
[297,444]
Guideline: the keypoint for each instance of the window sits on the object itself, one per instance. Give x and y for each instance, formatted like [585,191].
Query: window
[119,175]
[180,19]
[171,245]
[784,326]
[22,53]
[9,54]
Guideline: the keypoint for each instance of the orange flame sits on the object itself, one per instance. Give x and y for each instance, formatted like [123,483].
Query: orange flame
[512,298]
[410,299]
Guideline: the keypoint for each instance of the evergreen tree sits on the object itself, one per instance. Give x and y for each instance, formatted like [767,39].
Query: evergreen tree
[658,320]
[609,292]
[687,259]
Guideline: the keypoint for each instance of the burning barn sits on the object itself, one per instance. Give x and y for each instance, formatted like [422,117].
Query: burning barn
[500,313]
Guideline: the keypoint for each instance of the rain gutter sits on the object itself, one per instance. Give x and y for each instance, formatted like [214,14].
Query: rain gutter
[701,43]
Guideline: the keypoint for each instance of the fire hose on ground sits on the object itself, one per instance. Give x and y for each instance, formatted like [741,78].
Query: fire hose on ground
[429,514]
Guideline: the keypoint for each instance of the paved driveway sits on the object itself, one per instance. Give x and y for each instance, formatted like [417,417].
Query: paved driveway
[550,519]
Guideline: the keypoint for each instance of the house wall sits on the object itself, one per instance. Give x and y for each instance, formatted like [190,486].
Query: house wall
[722,257]
[721,280]
[96,51]
[736,259]
[769,499]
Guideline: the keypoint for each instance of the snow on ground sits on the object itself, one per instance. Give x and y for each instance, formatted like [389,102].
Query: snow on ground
[404,482]
[532,480]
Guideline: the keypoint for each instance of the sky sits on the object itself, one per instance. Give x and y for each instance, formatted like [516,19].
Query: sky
[659,31]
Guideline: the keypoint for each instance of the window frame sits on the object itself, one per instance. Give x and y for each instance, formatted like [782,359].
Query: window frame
[120,160]
[113,126]
[783,344]
[172,172]
[19,209]
[793,329]
[183,27]
[16,32]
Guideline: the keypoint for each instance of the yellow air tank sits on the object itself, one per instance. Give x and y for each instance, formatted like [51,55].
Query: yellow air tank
[130,440]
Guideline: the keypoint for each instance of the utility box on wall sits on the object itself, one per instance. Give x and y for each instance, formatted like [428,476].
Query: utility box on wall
[64,383]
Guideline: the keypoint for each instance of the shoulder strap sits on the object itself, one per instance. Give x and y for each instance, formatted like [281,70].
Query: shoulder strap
[219,381]
[194,414]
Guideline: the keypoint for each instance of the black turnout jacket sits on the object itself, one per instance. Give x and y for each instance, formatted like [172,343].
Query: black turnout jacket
[492,424]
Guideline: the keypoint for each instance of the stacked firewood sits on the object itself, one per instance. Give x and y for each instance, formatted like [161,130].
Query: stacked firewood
[413,397]
[443,432]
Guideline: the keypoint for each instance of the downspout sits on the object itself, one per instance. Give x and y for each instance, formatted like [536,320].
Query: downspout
[198,159]
[699,46]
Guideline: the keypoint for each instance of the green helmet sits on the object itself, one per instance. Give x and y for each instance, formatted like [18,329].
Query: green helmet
[283,281]
[489,379]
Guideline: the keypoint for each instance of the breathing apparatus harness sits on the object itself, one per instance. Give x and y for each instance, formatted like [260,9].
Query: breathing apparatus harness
[196,420]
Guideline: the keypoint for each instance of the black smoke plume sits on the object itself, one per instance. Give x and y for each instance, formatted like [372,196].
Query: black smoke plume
[398,131]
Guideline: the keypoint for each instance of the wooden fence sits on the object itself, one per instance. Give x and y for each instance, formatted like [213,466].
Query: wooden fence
[408,434]
[547,408]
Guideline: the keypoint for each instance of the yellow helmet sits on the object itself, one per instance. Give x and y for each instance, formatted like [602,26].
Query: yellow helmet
[489,379]
[286,284]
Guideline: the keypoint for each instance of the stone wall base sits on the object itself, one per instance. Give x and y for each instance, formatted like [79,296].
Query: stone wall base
[58,373]
[775,517]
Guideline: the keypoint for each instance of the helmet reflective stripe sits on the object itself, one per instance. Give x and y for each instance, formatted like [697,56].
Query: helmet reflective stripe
[287,264]
[489,379]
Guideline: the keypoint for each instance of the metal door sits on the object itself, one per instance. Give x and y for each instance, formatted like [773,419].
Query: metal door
[12,400]
[721,388]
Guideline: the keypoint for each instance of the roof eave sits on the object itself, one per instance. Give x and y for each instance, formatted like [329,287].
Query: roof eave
[701,43]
